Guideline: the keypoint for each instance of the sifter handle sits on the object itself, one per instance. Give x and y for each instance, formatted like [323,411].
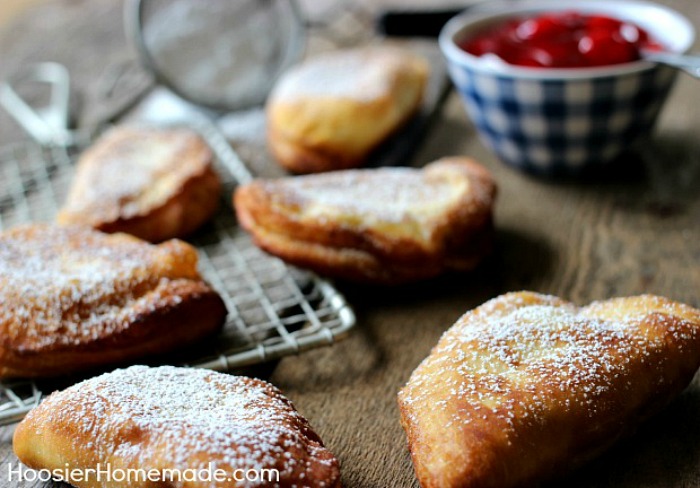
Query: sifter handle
[46,125]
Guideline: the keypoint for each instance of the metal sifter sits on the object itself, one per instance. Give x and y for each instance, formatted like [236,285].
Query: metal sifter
[221,54]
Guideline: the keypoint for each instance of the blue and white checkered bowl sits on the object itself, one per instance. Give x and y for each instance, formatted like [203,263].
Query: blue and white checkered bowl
[567,120]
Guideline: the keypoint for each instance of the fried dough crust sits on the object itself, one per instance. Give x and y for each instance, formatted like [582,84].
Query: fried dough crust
[528,386]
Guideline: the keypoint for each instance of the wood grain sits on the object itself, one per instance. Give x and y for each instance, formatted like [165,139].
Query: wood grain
[631,232]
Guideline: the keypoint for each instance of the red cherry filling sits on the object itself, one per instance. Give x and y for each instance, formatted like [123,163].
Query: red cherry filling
[562,40]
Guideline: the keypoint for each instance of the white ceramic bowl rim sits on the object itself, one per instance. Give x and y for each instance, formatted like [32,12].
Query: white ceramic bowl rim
[666,25]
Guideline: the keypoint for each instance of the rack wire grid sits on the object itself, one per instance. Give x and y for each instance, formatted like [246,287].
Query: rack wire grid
[274,310]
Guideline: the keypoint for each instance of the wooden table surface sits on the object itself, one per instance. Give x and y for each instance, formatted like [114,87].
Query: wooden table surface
[637,231]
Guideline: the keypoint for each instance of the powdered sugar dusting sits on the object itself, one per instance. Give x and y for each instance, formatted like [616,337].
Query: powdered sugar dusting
[68,285]
[359,74]
[131,170]
[183,418]
[399,199]
[519,356]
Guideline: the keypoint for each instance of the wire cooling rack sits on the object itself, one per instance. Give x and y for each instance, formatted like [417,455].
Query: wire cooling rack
[274,310]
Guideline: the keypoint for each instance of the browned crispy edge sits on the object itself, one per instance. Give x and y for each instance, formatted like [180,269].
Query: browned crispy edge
[192,312]
[366,256]
[176,217]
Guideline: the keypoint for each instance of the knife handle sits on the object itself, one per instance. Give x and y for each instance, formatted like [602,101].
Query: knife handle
[413,23]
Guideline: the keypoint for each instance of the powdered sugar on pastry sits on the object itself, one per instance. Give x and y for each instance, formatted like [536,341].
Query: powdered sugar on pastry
[156,184]
[395,195]
[331,111]
[131,170]
[74,299]
[361,75]
[554,345]
[537,384]
[180,418]
[71,285]
[384,225]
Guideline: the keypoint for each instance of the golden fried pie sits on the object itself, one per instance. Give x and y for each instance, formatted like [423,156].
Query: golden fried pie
[175,422]
[155,184]
[331,111]
[74,299]
[386,225]
[529,386]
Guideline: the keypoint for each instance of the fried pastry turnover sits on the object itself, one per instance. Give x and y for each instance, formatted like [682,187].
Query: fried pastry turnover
[386,225]
[331,111]
[74,299]
[171,421]
[152,183]
[528,386]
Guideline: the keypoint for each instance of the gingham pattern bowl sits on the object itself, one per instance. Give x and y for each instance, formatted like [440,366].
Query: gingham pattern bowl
[563,121]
